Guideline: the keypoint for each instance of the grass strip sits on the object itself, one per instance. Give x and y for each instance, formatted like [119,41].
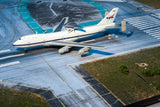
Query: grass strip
[133,86]
[16,98]
[153,3]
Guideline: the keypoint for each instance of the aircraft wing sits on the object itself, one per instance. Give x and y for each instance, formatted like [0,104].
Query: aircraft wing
[75,44]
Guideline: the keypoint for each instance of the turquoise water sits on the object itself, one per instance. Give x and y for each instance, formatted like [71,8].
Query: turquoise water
[29,20]
[89,23]
[101,9]
[37,29]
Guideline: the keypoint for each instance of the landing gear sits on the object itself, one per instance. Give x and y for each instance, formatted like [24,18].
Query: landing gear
[25,50]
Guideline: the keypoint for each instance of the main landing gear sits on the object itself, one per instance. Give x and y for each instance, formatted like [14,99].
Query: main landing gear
[25,50]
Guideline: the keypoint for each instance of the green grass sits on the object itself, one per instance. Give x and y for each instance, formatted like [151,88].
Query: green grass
[15,98]
[129,88]
[153,3]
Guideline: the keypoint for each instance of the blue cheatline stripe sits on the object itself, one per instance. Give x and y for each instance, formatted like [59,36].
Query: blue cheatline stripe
[28,18]
[86,35]
[101,9]
[37,29]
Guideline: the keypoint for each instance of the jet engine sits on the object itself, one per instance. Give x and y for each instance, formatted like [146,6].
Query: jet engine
[84,50]
[64,49]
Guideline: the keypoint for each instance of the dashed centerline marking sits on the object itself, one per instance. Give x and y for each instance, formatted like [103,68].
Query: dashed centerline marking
[52,9]
[9,64]
[3,51]
[11,56]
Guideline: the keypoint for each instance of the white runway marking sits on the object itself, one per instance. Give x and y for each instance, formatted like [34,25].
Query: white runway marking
[11,56]
[147,24]
[8,64]
[155,32]
[52,9]
[156,15]
[3,51]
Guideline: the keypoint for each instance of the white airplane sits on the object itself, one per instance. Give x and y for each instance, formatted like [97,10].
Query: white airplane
[67,37]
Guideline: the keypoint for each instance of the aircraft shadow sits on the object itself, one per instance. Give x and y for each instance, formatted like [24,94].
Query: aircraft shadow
[93,51]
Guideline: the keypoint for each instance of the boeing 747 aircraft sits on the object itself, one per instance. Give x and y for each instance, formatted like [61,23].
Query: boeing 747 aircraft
[67,38]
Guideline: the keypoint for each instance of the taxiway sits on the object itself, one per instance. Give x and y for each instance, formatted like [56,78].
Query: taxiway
[46,68]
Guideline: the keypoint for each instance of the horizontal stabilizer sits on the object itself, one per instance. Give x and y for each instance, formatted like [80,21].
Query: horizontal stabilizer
[80,29]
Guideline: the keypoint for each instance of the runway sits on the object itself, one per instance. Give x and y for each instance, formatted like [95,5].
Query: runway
[44,67]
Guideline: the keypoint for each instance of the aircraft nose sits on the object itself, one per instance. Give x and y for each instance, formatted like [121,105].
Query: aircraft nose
[15,43]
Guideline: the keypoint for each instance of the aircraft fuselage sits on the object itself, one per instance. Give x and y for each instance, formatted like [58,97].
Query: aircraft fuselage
[69,36]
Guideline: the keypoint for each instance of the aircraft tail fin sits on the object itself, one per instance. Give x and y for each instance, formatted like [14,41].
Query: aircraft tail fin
[109,18]
[61,26]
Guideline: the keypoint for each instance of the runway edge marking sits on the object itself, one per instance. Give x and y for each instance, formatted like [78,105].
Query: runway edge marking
[9,64]
[3,51]
[11,56]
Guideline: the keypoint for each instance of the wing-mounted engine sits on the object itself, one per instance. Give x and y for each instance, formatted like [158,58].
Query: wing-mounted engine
[83,51]
[64,49]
